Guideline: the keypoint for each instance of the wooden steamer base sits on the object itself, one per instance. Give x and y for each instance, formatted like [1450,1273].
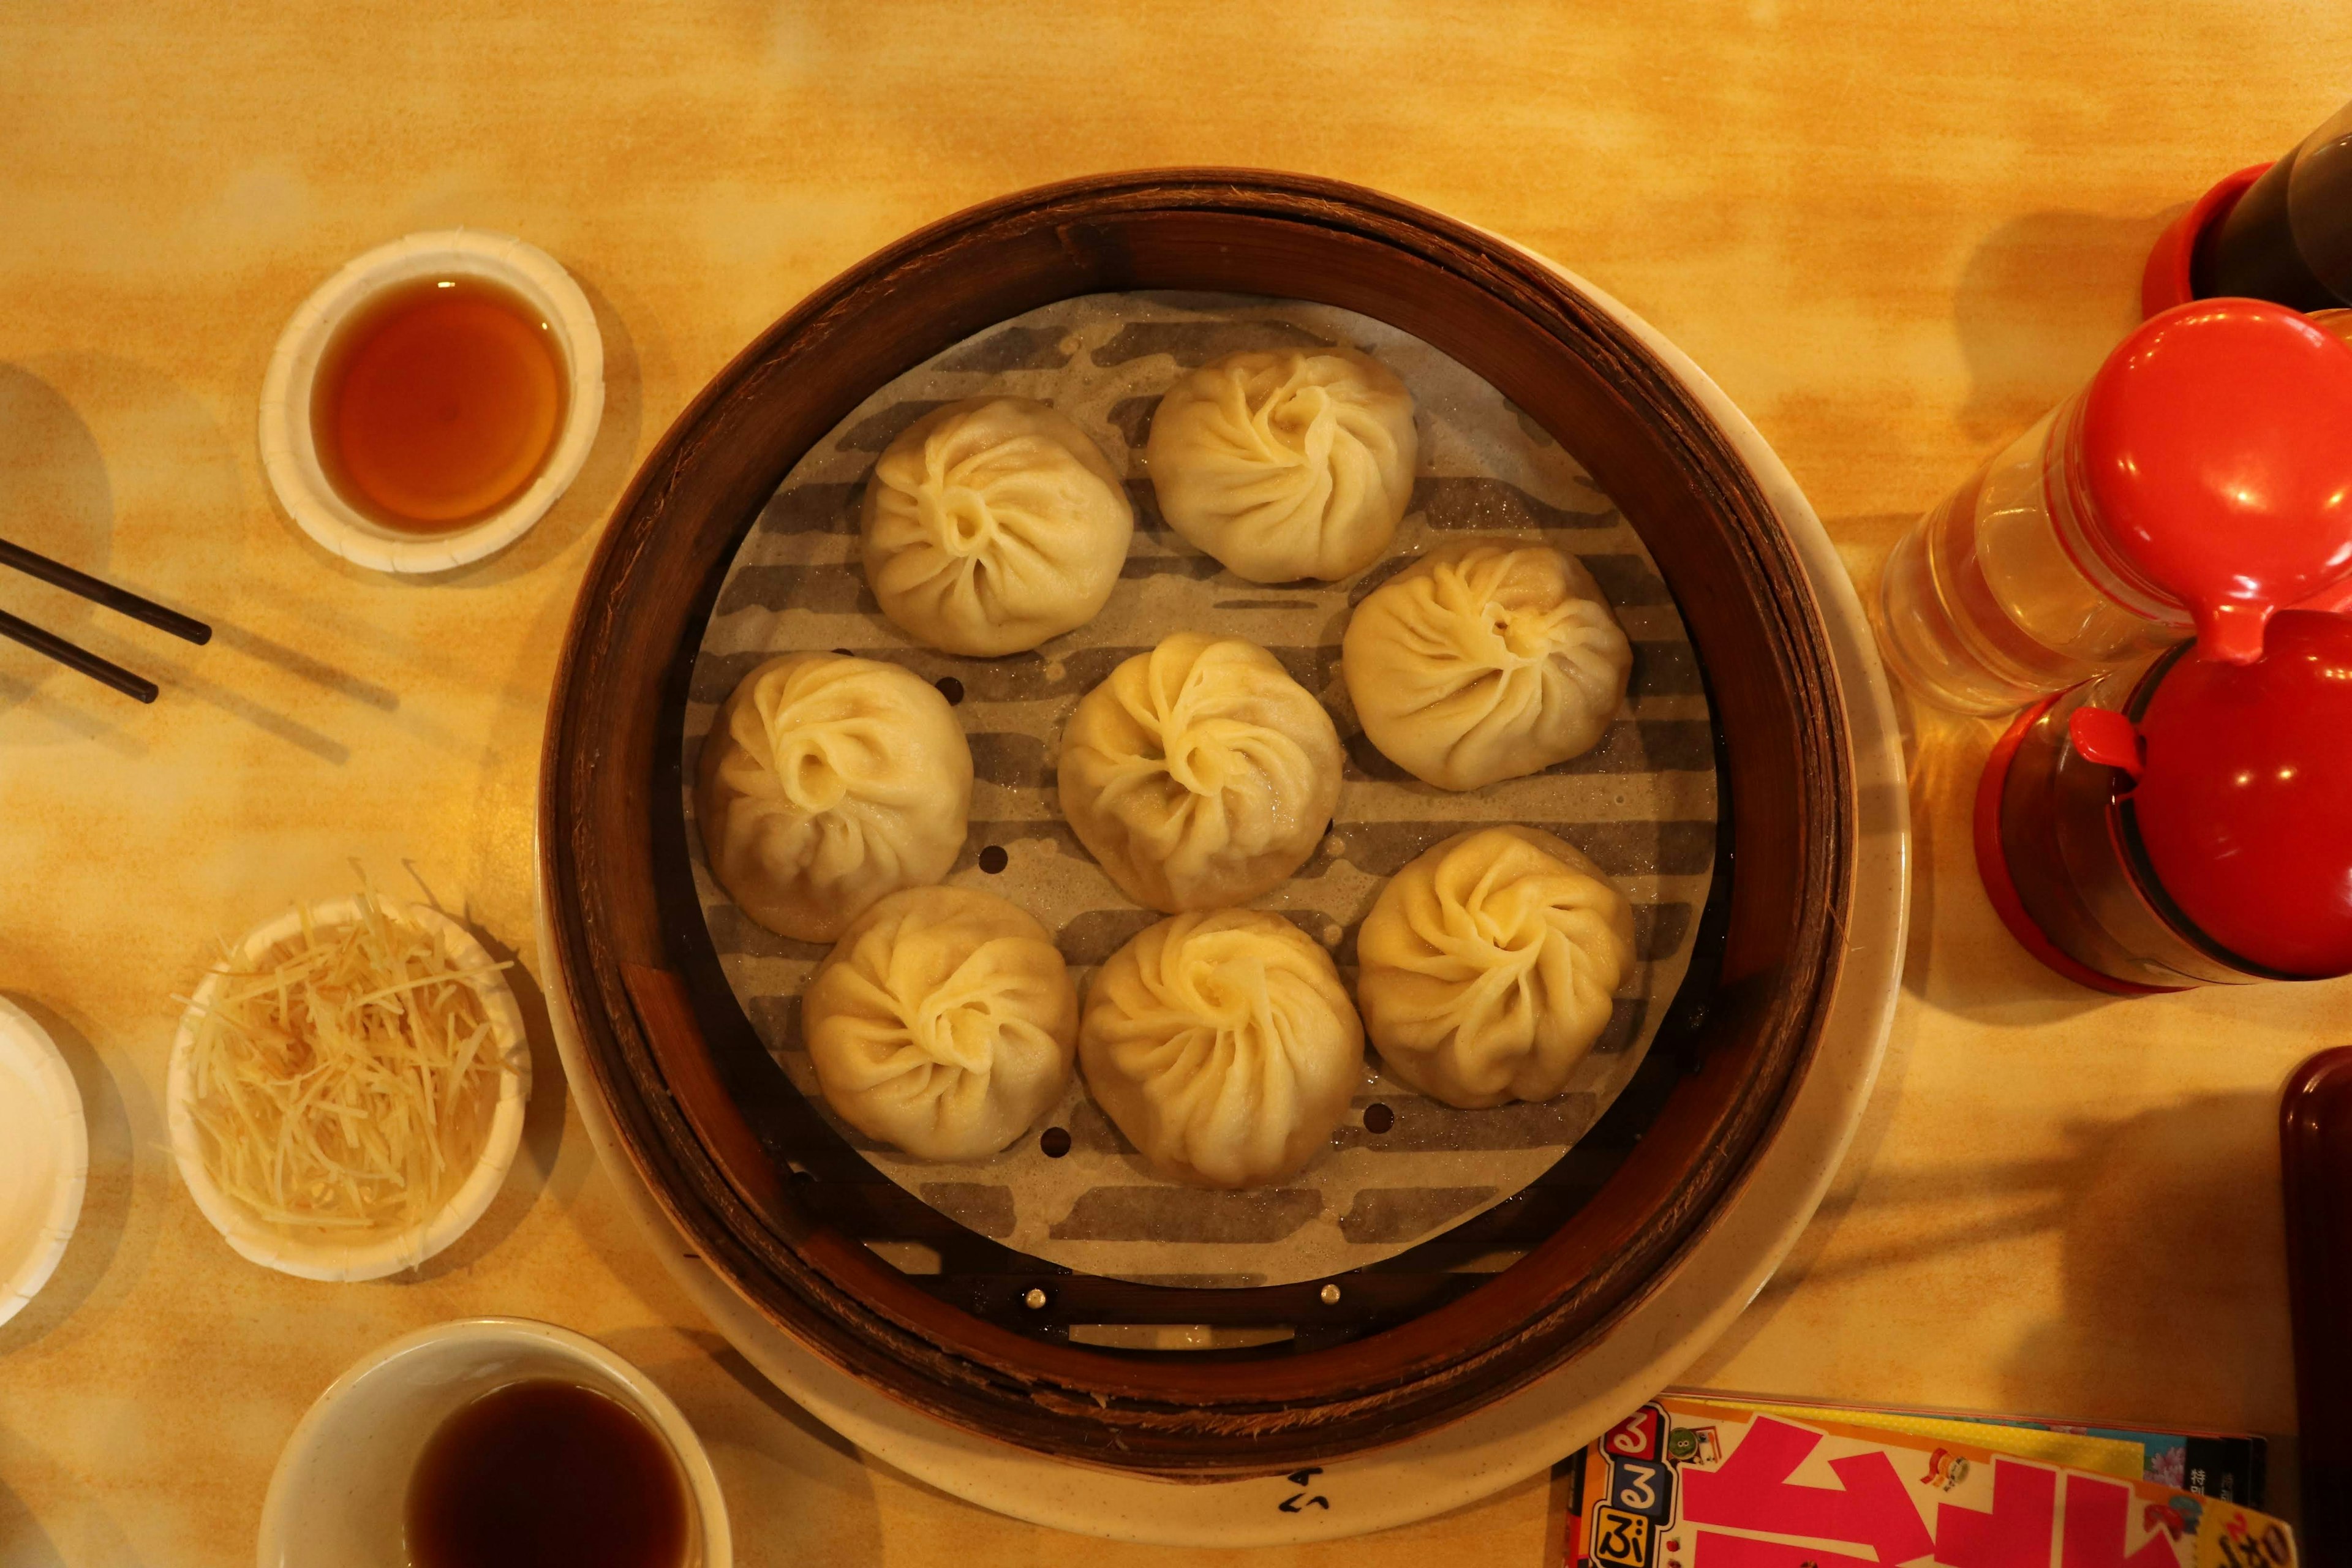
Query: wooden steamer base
[1728,1148]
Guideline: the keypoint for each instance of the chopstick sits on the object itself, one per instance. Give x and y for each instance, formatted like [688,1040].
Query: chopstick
[120,600]
[79,658]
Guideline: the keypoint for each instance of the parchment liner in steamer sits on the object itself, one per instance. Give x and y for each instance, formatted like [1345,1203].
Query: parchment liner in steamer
[1642,803]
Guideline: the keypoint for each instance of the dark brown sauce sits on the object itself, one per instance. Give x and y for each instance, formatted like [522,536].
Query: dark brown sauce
[437,403]
[546,1474]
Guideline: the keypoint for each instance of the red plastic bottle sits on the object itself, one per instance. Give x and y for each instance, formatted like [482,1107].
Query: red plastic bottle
[2185,822]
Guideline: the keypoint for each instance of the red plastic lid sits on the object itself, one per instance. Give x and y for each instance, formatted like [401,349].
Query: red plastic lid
[2164,281]
[2244,802]
[2217,451]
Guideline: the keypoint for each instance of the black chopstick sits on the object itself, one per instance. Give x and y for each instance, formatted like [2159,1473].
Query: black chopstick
[73,657]
[120,600]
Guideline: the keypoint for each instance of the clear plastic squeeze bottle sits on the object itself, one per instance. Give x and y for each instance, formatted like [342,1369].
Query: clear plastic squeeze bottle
[2200,481]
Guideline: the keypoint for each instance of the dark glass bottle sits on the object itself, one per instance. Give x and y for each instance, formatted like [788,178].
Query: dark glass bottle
[2289,237]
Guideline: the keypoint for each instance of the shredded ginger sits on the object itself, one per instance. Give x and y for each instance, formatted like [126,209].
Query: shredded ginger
[346,1079]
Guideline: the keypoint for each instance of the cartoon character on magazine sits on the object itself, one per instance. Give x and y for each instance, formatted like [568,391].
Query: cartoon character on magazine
[1693,1445]
[1945,1469]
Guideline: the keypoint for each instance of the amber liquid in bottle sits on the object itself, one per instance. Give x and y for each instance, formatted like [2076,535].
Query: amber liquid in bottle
[438,403]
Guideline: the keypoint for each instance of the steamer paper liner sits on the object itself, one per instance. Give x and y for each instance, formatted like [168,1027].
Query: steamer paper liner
[1642,803]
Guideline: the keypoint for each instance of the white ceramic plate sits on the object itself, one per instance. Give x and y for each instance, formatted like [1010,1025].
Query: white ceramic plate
[1524,1434]
[291,457]
[44,1158]
[323,1257]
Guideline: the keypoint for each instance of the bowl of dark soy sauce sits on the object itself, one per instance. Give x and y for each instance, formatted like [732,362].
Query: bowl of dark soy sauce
[494,1442]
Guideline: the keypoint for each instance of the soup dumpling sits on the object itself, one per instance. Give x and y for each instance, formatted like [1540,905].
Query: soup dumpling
[1485,660]
[1286,463]
[944,1023]
[826,783]
[1490,965]
[1223,1046]
[1200,775]
[993,524]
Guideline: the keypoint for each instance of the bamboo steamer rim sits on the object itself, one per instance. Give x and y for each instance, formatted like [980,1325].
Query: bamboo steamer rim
[609,793]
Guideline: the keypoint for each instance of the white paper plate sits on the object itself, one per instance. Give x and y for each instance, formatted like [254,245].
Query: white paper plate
[44,1158]
[291,458]
[323,1257]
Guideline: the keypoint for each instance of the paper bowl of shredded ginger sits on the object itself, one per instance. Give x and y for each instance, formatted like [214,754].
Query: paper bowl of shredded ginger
[347,1089]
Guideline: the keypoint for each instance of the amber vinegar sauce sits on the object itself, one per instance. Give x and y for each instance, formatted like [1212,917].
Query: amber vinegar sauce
[546,1474]
[438,403]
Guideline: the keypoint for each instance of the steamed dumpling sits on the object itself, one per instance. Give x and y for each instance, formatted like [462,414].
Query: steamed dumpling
[1490,965]
[994,524]
[1287,463]
[1200,773]
[1223,1046]
[943,1024]
[826,783]
[1485,660]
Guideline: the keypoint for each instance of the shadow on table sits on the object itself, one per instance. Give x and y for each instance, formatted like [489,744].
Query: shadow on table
[2036,1186]
[55,497]
[534,1168]
[23,1543]
[2173,1271]
[2040,303]
[75,1523]
[2169,1226]
[58,496]
[106,1199]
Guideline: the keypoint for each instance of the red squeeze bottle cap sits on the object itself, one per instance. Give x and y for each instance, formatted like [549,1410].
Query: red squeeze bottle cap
[2164,282]
[2216,455]
[2104,736]
[2244,798]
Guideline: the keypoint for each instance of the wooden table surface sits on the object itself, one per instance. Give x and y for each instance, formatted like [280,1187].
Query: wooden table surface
[1895,232]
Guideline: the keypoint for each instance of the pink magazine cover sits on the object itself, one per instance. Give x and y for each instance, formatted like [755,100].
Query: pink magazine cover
[1694,1483]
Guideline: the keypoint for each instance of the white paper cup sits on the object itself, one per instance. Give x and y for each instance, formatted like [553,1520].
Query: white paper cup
[290,455]
[44,1158]
[339,1497]
[324,1255]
